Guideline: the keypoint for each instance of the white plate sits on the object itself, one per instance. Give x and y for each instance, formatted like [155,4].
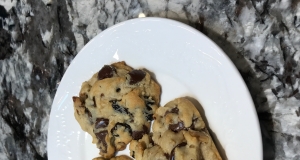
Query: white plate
[185,62]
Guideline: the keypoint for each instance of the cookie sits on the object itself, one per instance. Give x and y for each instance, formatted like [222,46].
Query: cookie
[179,133]
[116,106]
[145,149]
[122,157]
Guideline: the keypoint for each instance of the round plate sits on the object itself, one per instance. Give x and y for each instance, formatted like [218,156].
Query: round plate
[185,63]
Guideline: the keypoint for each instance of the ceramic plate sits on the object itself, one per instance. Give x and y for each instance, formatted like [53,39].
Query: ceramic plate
[185,63]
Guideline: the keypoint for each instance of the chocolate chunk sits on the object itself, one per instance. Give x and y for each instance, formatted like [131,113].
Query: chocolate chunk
[167,155]
[193,123]
[148,107]
[101,123]
[115,128]
[182,144]
[118,89]
[136,76]
[149,103]
[101,137]
[149,113]
[106,72]
[95,104]
[118,108]
[149,117]
[87,111]
[177,127]
[173,110]
[136,135]
[172,156]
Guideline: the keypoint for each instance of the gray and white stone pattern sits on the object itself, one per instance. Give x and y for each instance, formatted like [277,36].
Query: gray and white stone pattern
[39,39]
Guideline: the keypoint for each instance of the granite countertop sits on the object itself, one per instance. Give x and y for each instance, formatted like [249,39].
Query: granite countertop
[39,39]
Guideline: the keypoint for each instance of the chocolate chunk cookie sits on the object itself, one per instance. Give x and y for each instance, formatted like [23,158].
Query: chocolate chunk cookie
[122,157]
[116,106]
[181,134]
[145,149]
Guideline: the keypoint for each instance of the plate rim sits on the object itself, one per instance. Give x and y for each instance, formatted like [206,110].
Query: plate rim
[229,61]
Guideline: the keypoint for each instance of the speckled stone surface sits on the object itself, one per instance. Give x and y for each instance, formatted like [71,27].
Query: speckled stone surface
[39,39]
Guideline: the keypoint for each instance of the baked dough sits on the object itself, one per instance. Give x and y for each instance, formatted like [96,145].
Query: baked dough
[116,106]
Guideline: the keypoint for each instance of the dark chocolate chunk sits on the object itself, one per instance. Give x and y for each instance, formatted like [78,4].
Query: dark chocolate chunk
[106,72]
[193,123]
[182,144]
[118,108]
[149,117]
[177,127]
[115,128]
[118,89]
[149,113]
[167,155]
[136,76]
[173,110]
[101,123]
[148,107]
[101,137]
[172,156]
[136,135]
[151,140]
[87,111]
[149,103]
[95,104]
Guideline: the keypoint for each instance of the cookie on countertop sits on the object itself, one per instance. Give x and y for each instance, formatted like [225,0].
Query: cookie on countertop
[116,106]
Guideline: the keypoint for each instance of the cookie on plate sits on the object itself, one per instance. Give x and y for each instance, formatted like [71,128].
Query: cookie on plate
[116,106]
[179,133]
[122,157]
[145,149]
